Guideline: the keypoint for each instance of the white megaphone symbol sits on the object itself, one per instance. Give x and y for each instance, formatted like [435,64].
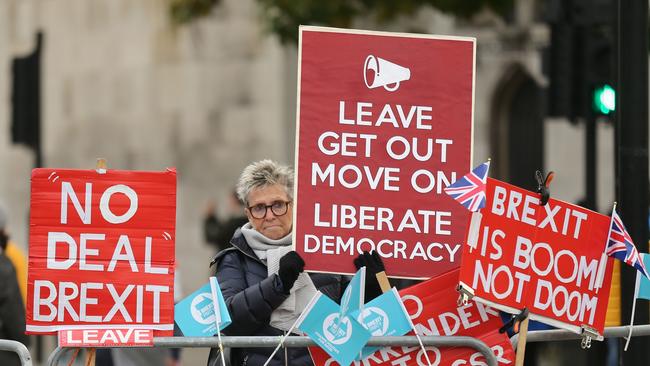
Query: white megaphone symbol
[379,72]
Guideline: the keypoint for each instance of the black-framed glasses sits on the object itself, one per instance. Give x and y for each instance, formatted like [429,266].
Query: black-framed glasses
[278,208]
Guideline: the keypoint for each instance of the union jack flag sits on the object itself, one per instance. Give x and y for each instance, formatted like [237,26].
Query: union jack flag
[621,246]
[469,190]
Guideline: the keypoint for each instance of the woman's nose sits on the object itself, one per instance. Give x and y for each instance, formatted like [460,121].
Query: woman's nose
[269,214]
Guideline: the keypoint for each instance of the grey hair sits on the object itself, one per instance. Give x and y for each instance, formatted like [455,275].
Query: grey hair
[264,173]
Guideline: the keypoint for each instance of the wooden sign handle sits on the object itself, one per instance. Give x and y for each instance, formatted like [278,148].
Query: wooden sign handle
[383,281]
[90,360]
[521,342]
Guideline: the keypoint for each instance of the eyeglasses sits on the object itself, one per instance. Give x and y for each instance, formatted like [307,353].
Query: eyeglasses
[278,208]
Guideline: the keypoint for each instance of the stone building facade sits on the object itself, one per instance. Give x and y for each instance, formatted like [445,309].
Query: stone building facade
[121,82]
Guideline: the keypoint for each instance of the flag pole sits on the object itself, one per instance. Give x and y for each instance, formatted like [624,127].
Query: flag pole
[603,262]
[217,316]
[424,350]
[636,295]
[308,307]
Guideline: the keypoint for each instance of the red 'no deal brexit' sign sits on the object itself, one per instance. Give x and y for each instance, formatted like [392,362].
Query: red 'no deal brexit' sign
[101,252]
[384,124]
[547,258]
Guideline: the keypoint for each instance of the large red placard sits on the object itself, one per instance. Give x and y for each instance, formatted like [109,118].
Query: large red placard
[101,250]
[549,258]
[384,124]
[434,311]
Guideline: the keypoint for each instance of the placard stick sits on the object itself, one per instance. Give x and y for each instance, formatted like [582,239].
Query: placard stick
[74,356]
[383,281]
[521,342]
[90,361]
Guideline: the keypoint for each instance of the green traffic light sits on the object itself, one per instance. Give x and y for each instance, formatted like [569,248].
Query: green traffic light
[605,99]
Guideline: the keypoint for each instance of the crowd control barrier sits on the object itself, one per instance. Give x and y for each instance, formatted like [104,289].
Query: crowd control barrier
[19,348]
[297,341]
[563,335]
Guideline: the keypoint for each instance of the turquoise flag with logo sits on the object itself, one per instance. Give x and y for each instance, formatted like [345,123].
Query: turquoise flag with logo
[384,316]
[197,315]
[644,282]
[641,291]
[353,296]
[341,337]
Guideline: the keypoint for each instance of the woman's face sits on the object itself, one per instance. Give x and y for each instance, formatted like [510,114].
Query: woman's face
[270,225]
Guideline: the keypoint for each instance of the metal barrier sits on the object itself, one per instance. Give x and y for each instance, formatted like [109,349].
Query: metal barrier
[562,335]
[296,341]
[19,348]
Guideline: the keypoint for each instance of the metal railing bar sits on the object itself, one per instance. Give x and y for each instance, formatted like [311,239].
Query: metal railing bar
[297,341]
[563,335]
[19,348]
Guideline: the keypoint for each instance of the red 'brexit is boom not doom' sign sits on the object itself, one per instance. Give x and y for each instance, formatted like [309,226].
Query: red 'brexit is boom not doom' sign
[384,124]
[547,258]
[101,250]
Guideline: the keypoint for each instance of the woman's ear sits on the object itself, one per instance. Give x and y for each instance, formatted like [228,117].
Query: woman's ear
[248,214]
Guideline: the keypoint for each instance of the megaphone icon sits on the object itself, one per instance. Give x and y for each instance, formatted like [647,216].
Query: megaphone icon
[379,72]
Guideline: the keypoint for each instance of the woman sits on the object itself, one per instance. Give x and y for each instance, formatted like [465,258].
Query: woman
[253,293]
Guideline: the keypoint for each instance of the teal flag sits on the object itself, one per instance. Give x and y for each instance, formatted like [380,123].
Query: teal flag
[342,338]
[644,282]
[198,315]
[353,296]
[384,316]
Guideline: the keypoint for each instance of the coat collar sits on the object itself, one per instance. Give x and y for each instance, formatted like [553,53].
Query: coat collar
[238,243]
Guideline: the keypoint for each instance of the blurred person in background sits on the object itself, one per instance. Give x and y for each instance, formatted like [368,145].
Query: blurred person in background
[15,255]
[262,279]
[218,232]
[12,307]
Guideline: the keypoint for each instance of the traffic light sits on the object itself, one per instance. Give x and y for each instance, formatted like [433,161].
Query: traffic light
[558,60]
[26,97]
[599,69]
[580,60]
[604,99]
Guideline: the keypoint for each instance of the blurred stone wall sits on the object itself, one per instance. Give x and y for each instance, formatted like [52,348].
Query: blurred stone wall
[121,82]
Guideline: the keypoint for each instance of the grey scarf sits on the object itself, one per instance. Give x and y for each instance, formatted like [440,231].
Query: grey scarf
[262,245]
[270,251]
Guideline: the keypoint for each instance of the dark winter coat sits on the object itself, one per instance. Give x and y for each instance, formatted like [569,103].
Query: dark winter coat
[12,311]
[251,296]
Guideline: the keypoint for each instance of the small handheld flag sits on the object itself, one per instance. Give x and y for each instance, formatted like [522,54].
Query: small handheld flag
[353,297]
[384,316]
[469,190]
[216,305]
[644,282]
[197,315]
[621,246]
[342,338]
[641,291]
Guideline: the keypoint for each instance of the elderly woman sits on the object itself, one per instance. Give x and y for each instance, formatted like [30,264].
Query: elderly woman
[258,273]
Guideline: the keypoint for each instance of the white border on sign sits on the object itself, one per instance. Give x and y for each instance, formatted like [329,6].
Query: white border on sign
[302,28]
[532,316]
[52,328]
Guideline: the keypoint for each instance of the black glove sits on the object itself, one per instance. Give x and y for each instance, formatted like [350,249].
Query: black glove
[373,263]
[290,267]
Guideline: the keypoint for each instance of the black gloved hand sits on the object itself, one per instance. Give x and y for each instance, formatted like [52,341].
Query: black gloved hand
[373,263]
[290,267]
